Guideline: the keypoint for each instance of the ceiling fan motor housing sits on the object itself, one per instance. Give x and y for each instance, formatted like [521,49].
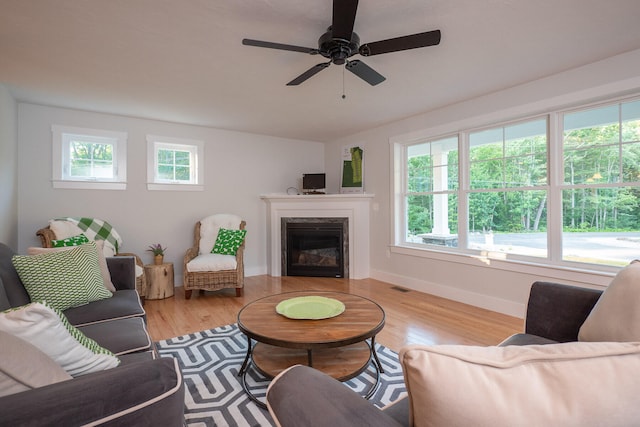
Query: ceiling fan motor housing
[338,50]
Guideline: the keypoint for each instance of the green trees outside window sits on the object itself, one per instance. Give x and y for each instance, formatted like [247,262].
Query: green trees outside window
[90,160]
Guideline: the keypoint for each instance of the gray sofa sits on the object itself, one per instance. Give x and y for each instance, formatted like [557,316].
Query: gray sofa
[303,396]
[144,390]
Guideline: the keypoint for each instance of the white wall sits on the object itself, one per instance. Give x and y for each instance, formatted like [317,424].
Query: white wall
[8,169]
[499,286]
[238,168]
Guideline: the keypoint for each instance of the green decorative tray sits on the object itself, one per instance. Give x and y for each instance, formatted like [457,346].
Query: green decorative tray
[310,307]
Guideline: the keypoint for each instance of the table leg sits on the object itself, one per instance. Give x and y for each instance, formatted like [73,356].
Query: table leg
[245,364]
[375,355]
[309,359]
[244,369]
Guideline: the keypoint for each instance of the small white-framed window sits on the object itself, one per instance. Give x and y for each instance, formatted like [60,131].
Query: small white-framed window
[174,164]
[89,158]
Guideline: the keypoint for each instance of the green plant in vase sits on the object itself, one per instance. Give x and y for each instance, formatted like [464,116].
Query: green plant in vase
[158,253]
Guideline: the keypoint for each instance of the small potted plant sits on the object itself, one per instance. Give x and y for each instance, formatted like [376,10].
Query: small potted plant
[158,253]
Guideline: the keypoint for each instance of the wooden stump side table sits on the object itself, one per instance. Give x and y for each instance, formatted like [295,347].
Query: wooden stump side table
[159,280]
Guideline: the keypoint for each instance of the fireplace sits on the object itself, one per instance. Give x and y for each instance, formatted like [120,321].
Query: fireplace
[315,247]
[353,207]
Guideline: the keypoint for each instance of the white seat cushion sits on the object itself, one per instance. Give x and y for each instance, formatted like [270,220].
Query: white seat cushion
[212,262]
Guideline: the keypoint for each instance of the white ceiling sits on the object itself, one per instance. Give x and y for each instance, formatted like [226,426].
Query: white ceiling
[183,61]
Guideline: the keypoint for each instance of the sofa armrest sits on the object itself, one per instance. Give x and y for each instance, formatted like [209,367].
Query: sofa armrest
[557,311]
[123,272]
[145,393]
[304,397]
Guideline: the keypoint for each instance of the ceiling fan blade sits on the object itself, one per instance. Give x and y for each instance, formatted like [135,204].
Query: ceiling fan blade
[429,38]
[344,15]
[365,72]
[308,74]
[270,45]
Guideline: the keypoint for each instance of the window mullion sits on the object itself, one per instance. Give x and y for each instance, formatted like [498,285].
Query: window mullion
[463,189]
[556,180]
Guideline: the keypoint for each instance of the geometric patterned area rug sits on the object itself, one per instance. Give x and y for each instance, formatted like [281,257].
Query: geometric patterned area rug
[210,361]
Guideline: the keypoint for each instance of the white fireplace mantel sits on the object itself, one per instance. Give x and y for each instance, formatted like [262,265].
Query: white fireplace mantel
[355,207]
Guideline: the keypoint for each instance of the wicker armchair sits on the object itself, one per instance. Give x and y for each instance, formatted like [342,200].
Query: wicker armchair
[47,235]
[213,280]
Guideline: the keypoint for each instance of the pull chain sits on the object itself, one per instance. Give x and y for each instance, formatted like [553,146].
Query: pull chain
[343,95]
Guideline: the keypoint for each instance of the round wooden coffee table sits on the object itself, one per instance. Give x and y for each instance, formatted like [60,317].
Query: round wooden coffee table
[342,346]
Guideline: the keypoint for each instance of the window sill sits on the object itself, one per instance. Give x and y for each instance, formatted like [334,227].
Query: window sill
[500,262]
[174,187]
[90,185]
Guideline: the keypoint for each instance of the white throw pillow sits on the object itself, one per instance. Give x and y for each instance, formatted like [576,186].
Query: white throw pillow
[104,270]
[49,330]
[574,384]
[616,315]
[24,367]
[212,262]
[210,226]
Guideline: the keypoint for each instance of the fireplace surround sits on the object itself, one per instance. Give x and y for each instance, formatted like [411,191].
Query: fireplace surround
[353,207]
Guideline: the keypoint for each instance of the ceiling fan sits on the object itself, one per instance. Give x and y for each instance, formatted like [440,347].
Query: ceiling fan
[340,43]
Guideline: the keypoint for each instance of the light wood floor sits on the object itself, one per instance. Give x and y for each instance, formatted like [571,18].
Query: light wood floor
[411,317]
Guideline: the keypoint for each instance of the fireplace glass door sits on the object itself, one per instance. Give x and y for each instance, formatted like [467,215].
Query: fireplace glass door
[315,249]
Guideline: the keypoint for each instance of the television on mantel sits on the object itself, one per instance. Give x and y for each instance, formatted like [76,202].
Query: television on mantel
[313,183]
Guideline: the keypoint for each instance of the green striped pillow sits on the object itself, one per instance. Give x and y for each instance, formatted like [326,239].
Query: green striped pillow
[46,328]
[63,279]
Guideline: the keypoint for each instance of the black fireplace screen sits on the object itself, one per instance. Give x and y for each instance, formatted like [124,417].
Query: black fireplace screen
[314,249]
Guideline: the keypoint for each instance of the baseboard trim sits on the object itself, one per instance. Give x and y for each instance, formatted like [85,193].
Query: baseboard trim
[499,305]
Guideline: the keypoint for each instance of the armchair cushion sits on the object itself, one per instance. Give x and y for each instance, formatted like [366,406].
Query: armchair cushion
[49,330]
[64,279]
[228,241]
[616,315]
[212,262]
[554,384]
[210,226]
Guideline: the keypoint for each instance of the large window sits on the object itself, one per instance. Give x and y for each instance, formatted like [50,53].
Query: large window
[88,158]
[431,196]
[173,163]
[507,191]
[600,197]
[563,188]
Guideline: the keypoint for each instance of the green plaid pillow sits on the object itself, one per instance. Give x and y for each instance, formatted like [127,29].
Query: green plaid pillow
[64,279]
[228,241]
[78,240]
